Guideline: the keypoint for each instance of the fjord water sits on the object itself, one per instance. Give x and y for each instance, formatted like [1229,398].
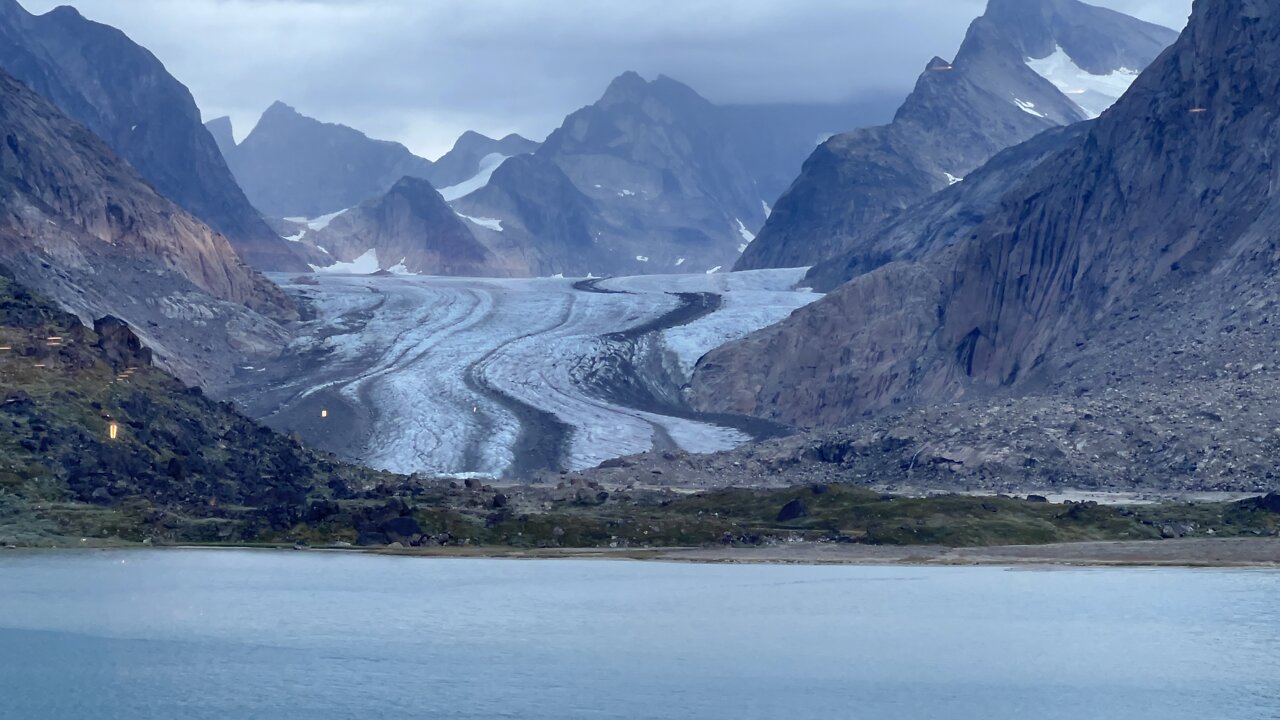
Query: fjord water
[239,634]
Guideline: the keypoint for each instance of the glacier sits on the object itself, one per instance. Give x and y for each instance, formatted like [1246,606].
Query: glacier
[454,376]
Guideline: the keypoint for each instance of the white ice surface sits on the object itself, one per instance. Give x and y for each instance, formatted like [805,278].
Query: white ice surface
[363,265]
[952,179]
[749,301]
[488,164]
[1028,108]
[484,222]
[1092,93]
[534,340]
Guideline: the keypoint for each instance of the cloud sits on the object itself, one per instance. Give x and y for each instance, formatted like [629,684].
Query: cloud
[424,71]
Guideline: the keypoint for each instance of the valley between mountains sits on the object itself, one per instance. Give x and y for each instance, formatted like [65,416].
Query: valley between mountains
[510,377]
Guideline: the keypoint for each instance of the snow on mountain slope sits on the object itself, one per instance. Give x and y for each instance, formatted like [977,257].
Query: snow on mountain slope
[459,375]
[1093,93]
[488,164]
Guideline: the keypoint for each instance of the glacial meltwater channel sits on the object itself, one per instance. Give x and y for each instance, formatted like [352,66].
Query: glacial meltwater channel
[235,635]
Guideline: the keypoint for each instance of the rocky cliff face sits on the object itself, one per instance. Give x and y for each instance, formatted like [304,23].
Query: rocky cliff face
[1141,256]
[80,224]
[410,229]
[100,78]
[291,165]
[946,217]
[960,114]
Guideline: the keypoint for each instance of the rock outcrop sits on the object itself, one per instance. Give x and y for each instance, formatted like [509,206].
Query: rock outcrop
[960,114]
[118,90]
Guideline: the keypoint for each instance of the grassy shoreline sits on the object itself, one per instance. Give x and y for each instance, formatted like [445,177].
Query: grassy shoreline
[1203,553]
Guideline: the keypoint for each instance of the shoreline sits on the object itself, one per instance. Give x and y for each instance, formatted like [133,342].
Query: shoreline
[1202,553]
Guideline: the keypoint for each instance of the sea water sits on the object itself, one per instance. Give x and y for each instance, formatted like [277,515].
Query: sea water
[230,635]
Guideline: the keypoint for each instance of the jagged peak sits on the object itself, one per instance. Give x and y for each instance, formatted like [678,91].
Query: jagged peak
[471,139]
[937,64]
[65,12]
[280,107]
[410,185]
[627,86]
[222,122]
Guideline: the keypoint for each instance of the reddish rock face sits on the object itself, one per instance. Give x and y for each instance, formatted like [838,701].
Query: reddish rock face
[97,76]
[67,195]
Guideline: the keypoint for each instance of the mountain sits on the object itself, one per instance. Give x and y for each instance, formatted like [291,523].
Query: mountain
[532,215]
[223,135]
[663,184]
[411,229]
[1007,84]
[945,217]
[474,154]
[291,165]
[122,93]
[1134,269]
[82,226]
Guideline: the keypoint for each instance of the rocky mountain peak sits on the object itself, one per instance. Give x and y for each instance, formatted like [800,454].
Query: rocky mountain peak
[292,165]
[223,134]
[627,87]
[1098,40]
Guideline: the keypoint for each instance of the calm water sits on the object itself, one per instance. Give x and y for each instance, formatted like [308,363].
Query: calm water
[235,635]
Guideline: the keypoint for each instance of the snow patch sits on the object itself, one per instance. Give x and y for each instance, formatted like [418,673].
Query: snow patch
[626,193]
[1093,94]
[744,232]
[715,270]
[488,164]
[642,258]
[366,264]
[768,211]
[952,179]
[484,222]
[1028,108]
[679,262]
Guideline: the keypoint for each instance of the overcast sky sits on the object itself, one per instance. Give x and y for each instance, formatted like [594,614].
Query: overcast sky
[423,71]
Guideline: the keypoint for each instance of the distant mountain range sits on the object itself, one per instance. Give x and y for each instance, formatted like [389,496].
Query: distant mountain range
[662,181]
[293,166]
[1024,67]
